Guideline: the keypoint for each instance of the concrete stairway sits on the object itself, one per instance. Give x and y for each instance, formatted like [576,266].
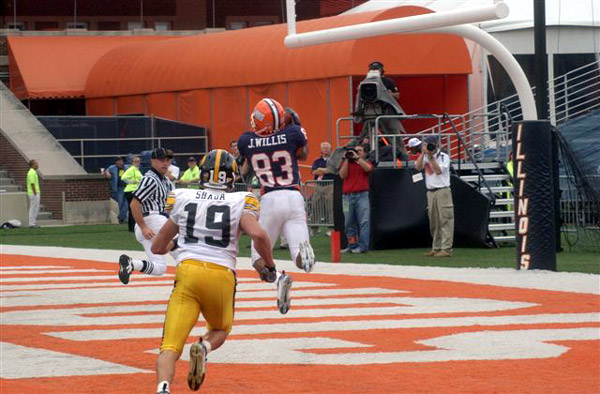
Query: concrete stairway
[7,185]
[501,224]
[44,218]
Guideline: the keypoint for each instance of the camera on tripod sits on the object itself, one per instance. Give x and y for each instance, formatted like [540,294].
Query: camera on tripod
[373,98]
[371,88]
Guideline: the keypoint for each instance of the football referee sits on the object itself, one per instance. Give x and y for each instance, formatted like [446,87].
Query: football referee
[148,210]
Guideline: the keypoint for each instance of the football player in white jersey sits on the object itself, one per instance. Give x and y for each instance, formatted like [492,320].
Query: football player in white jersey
[209,223]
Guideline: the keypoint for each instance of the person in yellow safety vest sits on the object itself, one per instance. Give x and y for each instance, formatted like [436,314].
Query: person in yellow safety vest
[33,192]
[191,176]
[510,164]
[132,177]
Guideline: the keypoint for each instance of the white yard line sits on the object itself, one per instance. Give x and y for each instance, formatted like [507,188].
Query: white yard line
[505,277]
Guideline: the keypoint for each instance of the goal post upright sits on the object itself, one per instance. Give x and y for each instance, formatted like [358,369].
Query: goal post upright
[530,135]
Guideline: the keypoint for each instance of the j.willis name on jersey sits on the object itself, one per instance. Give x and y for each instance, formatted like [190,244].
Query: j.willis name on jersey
[261,142]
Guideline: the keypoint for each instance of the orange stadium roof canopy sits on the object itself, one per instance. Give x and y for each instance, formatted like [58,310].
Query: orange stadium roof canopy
[57,67]
[51,67]
[258,56]
[214,80]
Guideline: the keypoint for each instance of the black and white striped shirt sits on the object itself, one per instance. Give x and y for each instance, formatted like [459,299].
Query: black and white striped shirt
[152,192]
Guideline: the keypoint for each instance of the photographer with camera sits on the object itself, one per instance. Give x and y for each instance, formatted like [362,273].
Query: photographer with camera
[440,208]
[355,171]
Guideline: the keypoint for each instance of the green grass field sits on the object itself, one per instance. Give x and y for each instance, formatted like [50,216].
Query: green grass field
[118,238]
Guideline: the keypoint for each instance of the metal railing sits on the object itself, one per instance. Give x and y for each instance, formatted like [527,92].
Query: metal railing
[487,130]
[152,143]
[482,180]
[575,93]
[569,95]
[95,140]
[486,135]
[499,134]
[318,197]
[318,201]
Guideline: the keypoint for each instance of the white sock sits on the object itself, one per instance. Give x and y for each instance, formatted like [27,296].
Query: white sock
[164,385]
[138,265]
[207,346]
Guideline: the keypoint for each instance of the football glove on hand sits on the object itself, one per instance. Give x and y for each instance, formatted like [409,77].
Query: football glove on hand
[267,274]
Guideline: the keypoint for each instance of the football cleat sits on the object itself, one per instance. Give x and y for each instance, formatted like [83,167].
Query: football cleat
[125,268]
[284,285]
[197,366]
[307,256]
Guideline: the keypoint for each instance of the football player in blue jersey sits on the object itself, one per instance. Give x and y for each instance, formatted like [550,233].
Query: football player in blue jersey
[273,151]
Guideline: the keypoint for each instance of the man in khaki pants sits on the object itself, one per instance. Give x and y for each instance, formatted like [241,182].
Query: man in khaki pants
[440,207]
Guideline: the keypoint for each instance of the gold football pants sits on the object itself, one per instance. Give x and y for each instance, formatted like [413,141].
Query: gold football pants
[200,287]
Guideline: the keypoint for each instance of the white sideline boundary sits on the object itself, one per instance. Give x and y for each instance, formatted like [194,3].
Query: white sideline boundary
[571,282]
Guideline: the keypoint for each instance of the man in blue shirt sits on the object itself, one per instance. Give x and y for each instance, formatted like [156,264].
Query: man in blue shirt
[117,186]
[322,197]
[319,166]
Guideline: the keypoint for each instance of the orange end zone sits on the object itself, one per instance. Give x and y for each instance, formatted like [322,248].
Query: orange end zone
[69,326]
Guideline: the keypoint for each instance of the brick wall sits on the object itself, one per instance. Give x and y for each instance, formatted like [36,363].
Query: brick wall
[91,187]
[11,160]
[88,187]
[3,46]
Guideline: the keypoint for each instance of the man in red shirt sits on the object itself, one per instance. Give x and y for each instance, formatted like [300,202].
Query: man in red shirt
[355,170]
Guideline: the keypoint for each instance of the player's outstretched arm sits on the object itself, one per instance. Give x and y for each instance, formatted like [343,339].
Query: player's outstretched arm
[245,168]
[302,153]
[163,242]
[265,266]
[262,244]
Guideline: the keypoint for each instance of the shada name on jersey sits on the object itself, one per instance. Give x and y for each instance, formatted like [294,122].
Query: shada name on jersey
[272,140]
[204,195]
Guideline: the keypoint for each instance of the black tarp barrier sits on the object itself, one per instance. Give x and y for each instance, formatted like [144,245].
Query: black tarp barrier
[399,212]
